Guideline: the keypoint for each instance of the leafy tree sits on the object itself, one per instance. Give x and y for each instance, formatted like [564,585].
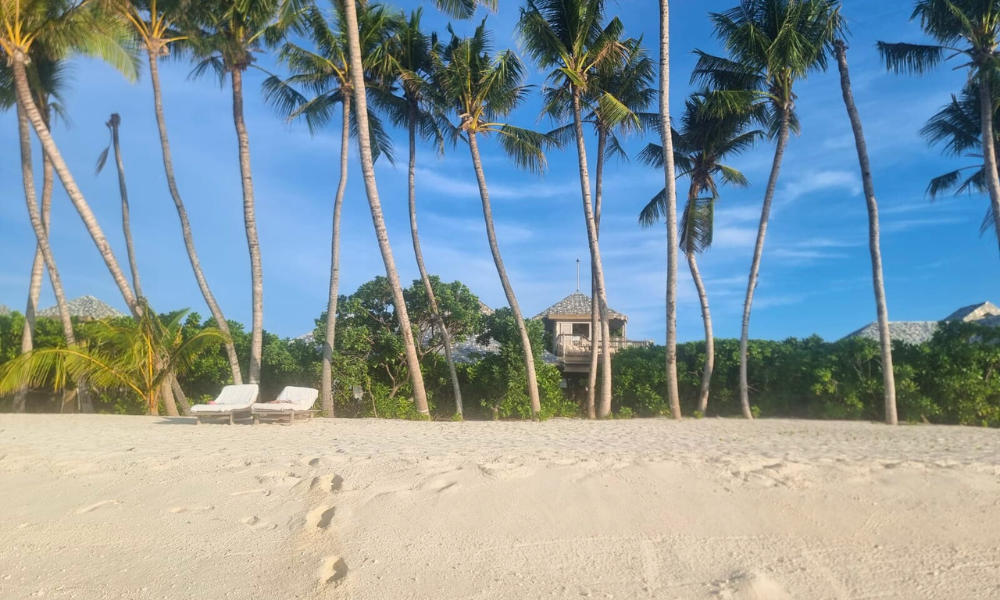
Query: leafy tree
[138,355]
[772,44]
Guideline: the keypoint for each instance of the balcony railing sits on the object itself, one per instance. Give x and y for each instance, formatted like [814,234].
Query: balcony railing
[567,346]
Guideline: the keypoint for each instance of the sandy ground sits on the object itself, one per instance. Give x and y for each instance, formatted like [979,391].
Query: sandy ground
[100,507]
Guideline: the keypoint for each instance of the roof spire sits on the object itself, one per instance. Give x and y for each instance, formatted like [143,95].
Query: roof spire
[578,275]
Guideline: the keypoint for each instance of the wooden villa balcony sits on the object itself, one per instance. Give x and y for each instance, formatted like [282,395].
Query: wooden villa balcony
[576,348]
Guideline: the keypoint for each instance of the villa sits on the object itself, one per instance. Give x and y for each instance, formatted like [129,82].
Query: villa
[567,324]
[919,332]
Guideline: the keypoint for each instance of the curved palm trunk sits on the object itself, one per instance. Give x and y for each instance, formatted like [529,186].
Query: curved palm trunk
[595,308]
[673,395]
[989,150]
[758,250]
[37,272]
[48,144]
[126,216]
[182,401]
[529,357]
[595,256]
[331,305]
[706,316]
[885,338]
[168,166]
[250,222]
[432,300]
[371,187]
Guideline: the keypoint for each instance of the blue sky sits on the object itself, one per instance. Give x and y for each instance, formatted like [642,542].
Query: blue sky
[815,278]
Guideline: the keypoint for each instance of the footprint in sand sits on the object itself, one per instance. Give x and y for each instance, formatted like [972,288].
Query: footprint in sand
[190,509]
[333,571]
[96,505]
[256,522]
[321,517]
[751,586]
[504,471]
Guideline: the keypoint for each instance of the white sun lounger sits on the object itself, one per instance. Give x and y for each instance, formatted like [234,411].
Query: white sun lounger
[233,401]
[291,402]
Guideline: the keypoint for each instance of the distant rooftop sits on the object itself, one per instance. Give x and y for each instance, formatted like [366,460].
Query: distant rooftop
[577,304]
[84,307]
[919,332]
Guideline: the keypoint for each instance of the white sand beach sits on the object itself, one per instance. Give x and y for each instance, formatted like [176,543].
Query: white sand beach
[101,507]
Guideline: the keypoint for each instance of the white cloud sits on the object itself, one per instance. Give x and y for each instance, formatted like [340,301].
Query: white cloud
[821,181]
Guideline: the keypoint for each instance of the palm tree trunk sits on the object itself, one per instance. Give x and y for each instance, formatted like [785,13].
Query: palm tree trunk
[595,309]
[706,375]
[168,166]
[885,338]
[331,305]
[114,123]
[167,395]
[673,394]
[181,397]
[250,222]
[37,267]
[595,256]
[48,144]
[371,187]
[758,250]
[431,299]
[529,357]
[989,148]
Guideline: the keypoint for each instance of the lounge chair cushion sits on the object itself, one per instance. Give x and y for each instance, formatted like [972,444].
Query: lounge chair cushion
[232,398]
[290,399]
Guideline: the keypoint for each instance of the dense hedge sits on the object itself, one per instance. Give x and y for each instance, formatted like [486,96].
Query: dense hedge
[952,379]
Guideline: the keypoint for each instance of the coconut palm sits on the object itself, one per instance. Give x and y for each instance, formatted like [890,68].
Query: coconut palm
[706,138]
[969,29]
[138,356]
[480,89]
[62,28]
[885,338]
[229,35]
[621,93]
[772,44]
[464,9]
[325,73]
[114,143]
[156,22]
[357,76]
[569,37]
[46,77]
[958,127]
[411,63]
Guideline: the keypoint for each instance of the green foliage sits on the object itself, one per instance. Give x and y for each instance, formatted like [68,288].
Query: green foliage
[951,379]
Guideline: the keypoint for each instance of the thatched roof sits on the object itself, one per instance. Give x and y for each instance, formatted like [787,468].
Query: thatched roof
[974,312]
[84,307]
[574,305]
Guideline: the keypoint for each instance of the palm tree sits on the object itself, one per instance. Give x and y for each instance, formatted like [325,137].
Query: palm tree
[357,76]
[706,139]
[138,356]
[113,124]
[464,9]
[62,28]
[155,23]
[670,209]
[772,44]
[958,127]
[568,36]
[962,28]
[885,338]
[481,89]
[411,63]
[325,72]
[46,77]
[621,93]
[230,33]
